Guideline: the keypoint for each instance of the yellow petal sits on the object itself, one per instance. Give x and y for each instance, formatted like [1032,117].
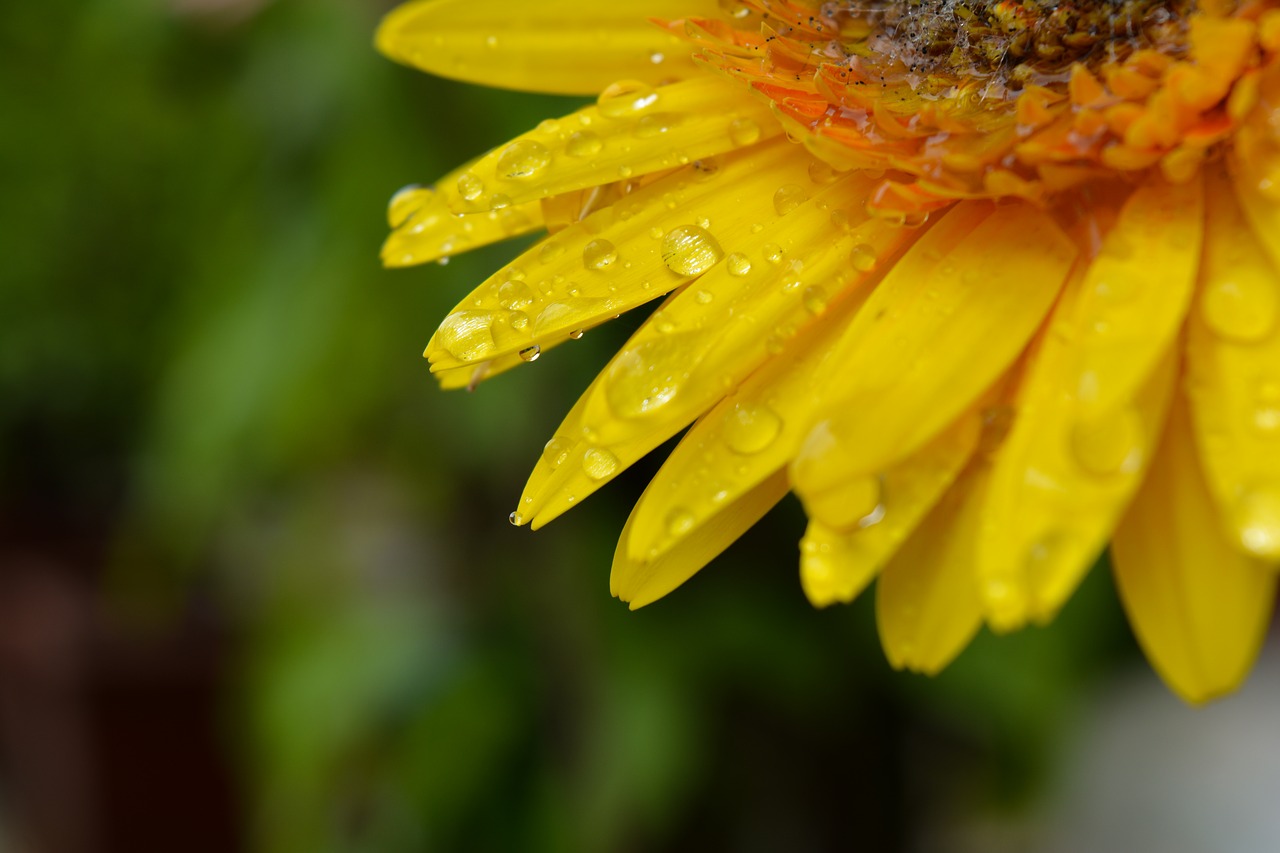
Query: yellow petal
[944,324]
[1233,375]
[642,582]
[1089,410]
[548,46]
[427,230]
[632,131]
[470,375]
[613,260]
[1199,607]
[744,440]
[1256,162]
[709,337]
[882,511]
[927,603]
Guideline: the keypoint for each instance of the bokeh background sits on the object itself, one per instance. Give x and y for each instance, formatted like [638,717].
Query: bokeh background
[257,588]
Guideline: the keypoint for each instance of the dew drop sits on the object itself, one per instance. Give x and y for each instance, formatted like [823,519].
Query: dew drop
[626,97]
[531,353]
[599,463]
[575,335]
[499,201]
[815,300]
[516,519]
[405,203]
[704,297]
[656,233]
[519,320]
[1240,309]
[644,378]
[625,171]
[550,251]
[1109,444]
[680,522]
[470,187]
[599,255]
[690,250]
[655,124]
[788,197]
[863,258]
[772,253]
[555,452]
[749,429]
[707,167]
[744,131]
[822,173]
[852,505]
[523,158]
[1257,517]
[738,264]
[515,294]
[467,335]
[583,143]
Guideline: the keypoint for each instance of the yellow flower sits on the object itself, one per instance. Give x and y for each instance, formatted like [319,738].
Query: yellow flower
[985,285]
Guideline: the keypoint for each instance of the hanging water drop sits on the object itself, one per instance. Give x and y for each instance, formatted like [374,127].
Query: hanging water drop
[690,250]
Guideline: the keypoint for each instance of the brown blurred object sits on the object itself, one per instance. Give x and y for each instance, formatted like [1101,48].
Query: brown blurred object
[109,738]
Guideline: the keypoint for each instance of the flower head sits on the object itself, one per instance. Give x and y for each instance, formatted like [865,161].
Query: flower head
[987,285]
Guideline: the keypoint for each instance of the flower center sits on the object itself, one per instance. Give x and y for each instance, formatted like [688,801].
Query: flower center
[1016,43]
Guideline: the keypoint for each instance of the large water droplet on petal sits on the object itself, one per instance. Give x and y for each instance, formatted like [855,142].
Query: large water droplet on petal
[750,429]
[690,250]
[788,197]
[470,187]
[646,377]
[738,264]
[1109,444]
[514,295]
[405,203]
[1257,517]
[583,143]
[599,463]
[599,255]
[626,97]
[854,504]
[863,258]
[744,131]
[1241,310]
[523,158]
[467,335]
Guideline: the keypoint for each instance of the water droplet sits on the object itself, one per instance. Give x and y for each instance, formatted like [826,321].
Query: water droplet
[646,377]
[583,143]
[654,124]
[555,452]
[599,463]
[1046,554]
[772,253]
[822,173]
[625,171]
[531,353]
[625,98]
[750,429]
[815,300]
[1257,517]
[704,297]
[707,167]
[690,250]
[657,57]
[852,505]
[738,264]
[599,255]
[863,258]
[470,187]
[499,201]
[1109,444]
[405,203]
[1240,309]
[516,519]
[744,131]
[467,335]
[523,158]
[514,294]
[788,197]
[550,251]
[576,335]
[680,522]
[656,233]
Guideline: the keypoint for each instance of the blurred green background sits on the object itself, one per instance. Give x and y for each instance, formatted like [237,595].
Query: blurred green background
[257,587]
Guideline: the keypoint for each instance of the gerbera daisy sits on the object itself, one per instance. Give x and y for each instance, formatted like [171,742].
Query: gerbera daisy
[987,285]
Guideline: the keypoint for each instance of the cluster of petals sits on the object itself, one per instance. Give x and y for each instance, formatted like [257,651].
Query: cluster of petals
[981,324]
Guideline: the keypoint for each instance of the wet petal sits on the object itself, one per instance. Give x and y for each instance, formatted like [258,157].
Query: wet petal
[1233,375]
[548,46]
[613,260]
[1199,607]
[642,582]
[634,130]
[944,324]
[1089,409]
[714,333]
[876,514]
[927,603]
[427,230]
